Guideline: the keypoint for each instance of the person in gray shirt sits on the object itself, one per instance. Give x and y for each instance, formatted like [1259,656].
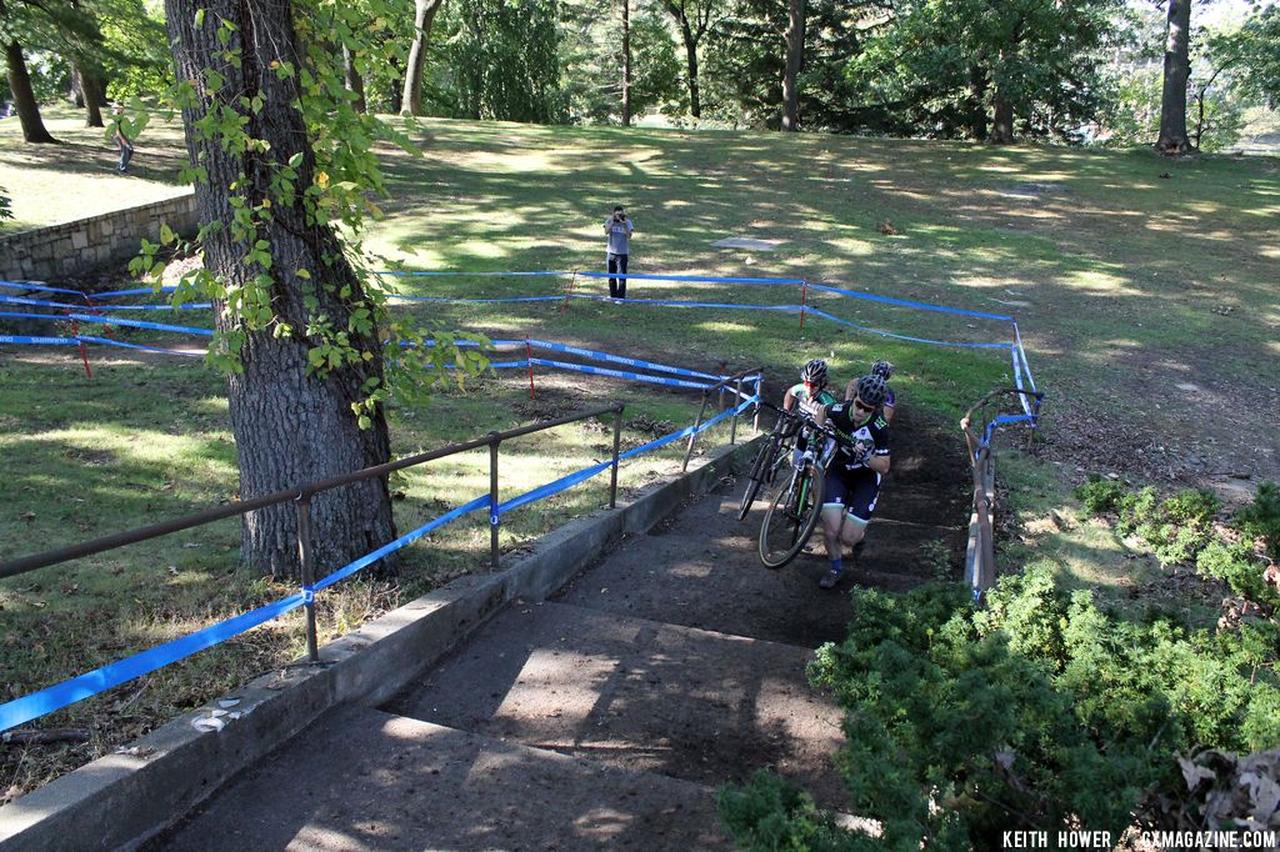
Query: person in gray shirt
[618,228]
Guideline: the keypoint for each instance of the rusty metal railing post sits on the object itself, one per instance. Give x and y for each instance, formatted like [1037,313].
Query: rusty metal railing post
[693,436]
[494,518]
[308,573]
[733,425]
[617,442]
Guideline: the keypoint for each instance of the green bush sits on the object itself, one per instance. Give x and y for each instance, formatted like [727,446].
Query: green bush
[1261,519]
[1099,494]
[770,815]
[960,723]
[1237,566]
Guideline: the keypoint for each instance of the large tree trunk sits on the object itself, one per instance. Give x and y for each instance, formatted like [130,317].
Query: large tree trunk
[1002,121]
[1177,68]
[355,83]
[33,129]
[626,63]
[691,60]
[424,15]
[795,59]
[290,427]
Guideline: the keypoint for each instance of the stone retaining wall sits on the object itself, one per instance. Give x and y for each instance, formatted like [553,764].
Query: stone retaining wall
[49,254]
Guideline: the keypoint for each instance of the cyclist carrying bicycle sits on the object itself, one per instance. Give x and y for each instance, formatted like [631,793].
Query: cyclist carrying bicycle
[853,478]
[884,370]
[810,391]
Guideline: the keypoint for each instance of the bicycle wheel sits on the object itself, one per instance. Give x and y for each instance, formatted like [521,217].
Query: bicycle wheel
[792,515]
[755,479]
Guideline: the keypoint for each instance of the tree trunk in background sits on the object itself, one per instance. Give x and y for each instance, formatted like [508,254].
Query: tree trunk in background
[290,427]
[1002,122]
[424,15]
[1177,68]
[95,95]
[626,63]
[977,102]
[355,83]
[33,129]
[75,94]
[795,60]
[691,60]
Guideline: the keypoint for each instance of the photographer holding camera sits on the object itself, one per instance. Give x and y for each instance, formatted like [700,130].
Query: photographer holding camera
[618,228]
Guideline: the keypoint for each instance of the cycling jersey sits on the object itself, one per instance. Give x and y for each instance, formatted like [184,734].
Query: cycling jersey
[872,431]
[825,397]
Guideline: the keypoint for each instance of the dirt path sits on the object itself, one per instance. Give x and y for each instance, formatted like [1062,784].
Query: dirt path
[607,717]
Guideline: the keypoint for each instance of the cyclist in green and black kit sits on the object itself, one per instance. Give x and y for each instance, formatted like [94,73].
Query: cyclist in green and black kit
[812,386]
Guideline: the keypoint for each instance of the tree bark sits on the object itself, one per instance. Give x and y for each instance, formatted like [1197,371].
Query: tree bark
[290,426]
[1177,68]
[355,83]
[691,60]
[626,63]
[424,15]
[95,95]
[75,93]
[33,129]
[977,103]
[1002,121]
[795,59]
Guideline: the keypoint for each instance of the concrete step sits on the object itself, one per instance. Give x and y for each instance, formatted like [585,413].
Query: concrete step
[636,694]
[361,779]
[700,569]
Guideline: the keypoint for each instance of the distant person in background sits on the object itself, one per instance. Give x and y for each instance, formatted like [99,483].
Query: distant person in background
[126,147]
[6,109]
[618,228]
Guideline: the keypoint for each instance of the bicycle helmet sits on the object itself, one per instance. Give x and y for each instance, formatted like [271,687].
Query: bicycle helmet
[815,371]
[883,369]
[872,390]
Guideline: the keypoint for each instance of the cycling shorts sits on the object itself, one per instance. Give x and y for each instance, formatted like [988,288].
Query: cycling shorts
[857,493]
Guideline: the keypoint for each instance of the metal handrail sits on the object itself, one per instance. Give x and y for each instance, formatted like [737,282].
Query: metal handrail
[719,386]
[23,564]
[980,563]
[301,496]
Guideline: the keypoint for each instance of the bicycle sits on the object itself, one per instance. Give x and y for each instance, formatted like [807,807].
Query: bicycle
[797,502]
[768,462]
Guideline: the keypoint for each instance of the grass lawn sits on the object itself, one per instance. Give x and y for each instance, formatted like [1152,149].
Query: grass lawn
[1143,287]
[51,184]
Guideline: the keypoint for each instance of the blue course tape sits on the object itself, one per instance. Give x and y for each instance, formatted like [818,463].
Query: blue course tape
[106,341]
[188,306]
[476,301]
[702,279]
[39,341]
[41,303]
[907,337]
[44,288]
[21,710]
[20,315]
[907,303]
[136,291]
[392,546]
[1002,420]
[183,329]
[620,374]
[413,273]
[688,430]
[617,359]
[561,484]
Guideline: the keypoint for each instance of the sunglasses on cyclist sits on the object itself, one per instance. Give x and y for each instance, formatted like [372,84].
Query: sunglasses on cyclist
[862,406]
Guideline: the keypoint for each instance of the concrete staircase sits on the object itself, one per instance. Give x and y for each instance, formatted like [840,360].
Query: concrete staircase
[605,718]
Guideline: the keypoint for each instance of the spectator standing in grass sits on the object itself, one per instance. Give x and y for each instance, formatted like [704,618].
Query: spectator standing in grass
[126,147]
[618,228]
